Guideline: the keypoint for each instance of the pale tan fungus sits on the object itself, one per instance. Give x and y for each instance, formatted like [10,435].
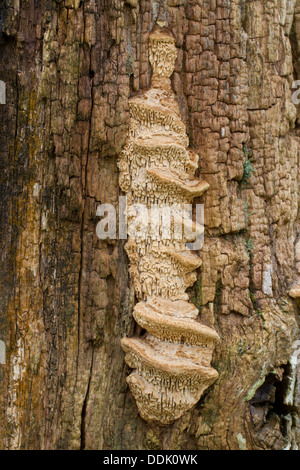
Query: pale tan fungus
[171,361]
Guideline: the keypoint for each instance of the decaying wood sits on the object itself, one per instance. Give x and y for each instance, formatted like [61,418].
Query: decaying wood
[70,68]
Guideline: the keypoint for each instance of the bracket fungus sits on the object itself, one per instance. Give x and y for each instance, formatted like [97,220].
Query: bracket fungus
[171,361]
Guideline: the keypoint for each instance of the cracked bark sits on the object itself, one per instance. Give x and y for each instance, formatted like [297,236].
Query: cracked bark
[66,298]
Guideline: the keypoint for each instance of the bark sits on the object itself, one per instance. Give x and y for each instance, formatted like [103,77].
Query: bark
[70,67]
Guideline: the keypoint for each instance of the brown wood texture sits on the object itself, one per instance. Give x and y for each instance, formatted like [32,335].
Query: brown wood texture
[70,67]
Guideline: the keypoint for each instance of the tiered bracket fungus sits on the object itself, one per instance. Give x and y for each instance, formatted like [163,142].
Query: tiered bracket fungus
[295,290]
[171,361]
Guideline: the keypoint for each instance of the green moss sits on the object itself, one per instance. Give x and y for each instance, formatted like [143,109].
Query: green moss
[257,309]
[248,167]
[248,170]
[252,297]
[261,315]
[247,214]
[250,247]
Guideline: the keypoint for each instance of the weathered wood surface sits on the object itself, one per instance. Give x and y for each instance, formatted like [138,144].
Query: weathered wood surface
[66,300]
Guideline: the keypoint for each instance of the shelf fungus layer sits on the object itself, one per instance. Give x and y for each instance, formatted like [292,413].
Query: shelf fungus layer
[171,360]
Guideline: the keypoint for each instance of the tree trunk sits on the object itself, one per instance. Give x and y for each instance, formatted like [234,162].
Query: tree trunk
[70,67]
